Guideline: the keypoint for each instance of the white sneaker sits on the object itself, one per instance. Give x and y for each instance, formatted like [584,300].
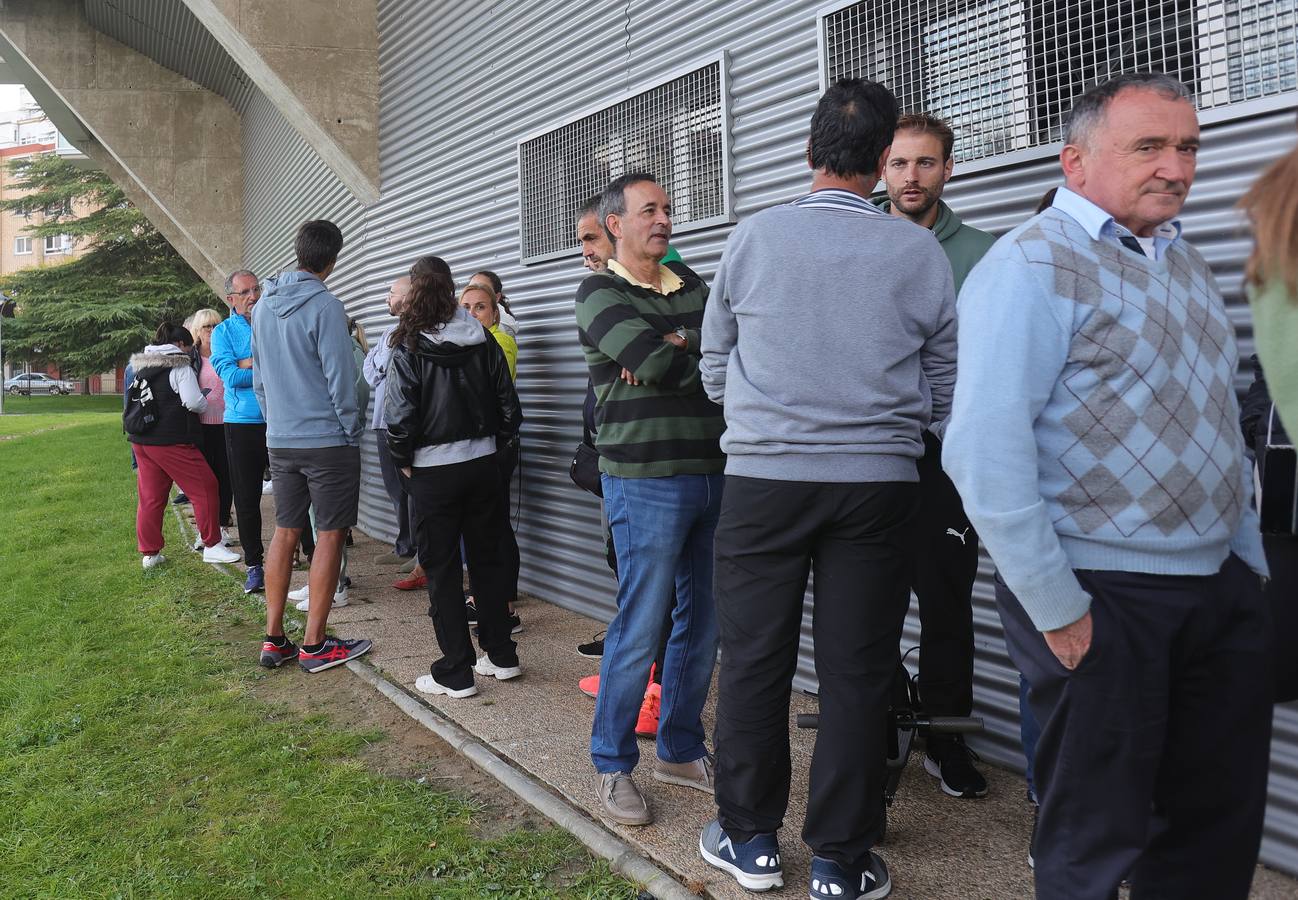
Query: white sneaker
[198,544]
[151,561]
[267,487]
[219,553]
[428,685]
[484,666]
[225,538]
[303,597]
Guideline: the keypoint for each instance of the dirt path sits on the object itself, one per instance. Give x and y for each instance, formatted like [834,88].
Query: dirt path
[407,749]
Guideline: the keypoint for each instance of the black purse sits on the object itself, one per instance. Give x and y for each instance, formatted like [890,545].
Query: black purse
[584,470]
[1277,482]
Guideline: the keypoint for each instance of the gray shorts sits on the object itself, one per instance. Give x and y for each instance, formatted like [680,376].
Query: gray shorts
[328,478]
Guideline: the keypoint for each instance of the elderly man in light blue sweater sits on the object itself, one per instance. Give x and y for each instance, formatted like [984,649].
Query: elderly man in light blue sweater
[1094,443]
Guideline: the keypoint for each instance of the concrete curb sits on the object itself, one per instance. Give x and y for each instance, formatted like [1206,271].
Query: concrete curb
[622,857]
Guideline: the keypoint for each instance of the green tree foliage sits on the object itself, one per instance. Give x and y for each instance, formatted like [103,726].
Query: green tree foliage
[89,314]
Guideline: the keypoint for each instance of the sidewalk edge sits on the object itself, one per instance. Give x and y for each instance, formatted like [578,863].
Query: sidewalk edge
[622,857]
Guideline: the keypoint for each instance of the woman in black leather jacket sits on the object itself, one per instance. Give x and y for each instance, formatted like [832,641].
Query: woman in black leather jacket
[449,400]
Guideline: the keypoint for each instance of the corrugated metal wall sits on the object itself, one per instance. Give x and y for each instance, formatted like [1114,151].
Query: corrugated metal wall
[461,83]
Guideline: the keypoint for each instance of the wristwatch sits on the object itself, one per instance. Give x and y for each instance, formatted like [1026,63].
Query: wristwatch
[683,335]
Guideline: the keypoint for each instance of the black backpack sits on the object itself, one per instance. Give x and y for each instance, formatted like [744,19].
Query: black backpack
[141,412]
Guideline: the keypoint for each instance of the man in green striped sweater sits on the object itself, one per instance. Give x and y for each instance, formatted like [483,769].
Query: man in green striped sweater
[661,466]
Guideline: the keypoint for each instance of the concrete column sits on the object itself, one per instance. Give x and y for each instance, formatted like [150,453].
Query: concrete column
[173,146]
[317,61]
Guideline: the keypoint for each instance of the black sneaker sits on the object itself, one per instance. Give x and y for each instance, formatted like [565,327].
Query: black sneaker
[470,609]
[830,881]
[594,649]
[274,656]
[333,652]
[951,763]
[515,625]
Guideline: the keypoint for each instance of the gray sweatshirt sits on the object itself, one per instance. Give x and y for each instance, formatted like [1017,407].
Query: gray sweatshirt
[303,370]
[830,340]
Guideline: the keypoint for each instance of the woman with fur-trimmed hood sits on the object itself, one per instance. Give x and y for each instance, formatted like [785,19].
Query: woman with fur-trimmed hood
[166,445]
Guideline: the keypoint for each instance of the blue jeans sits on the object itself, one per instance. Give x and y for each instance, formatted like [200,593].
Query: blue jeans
[662,529]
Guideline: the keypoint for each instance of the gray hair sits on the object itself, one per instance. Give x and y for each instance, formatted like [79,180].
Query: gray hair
[590,206]
[613,201]
[1089,109]
[229,279]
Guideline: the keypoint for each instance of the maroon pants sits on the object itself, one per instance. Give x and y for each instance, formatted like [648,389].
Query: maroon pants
[158,467]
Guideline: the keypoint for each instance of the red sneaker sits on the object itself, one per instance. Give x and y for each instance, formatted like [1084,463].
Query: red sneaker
[413,583]
[647,724]
[589,685]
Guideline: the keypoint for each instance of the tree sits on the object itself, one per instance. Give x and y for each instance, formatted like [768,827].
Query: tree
[89,314]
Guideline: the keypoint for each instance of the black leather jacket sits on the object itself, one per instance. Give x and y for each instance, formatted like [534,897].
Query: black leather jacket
[444,392]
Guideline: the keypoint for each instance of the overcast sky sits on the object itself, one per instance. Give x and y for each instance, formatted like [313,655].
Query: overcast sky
[9,96]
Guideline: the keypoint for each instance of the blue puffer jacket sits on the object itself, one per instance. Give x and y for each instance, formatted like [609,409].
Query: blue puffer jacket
[231,342]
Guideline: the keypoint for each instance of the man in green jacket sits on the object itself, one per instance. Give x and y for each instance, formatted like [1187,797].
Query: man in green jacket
[918,168]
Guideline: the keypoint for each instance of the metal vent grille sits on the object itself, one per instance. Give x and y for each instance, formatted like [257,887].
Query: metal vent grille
[1004,73]
[675,131]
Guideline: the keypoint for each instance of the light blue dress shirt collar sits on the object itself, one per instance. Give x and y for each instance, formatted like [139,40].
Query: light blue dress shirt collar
[1101,226]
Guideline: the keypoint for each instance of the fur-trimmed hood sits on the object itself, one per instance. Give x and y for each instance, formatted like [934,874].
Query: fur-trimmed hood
[161,355]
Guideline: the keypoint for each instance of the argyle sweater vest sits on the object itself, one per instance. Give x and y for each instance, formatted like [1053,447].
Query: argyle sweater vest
[1139,443]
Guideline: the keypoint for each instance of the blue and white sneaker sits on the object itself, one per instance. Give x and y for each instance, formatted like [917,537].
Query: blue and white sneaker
[255,581]
[755,864]
[830,881]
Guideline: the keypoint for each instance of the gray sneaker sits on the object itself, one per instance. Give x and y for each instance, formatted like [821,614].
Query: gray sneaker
[620,800]
[698,774]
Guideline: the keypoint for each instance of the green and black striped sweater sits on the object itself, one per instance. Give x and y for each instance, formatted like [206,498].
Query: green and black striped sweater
[666,425]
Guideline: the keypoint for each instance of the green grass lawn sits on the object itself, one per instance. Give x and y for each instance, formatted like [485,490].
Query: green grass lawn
[44,403]
[134,759]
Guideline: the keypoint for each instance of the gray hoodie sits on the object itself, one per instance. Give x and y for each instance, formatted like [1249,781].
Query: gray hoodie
[303,372]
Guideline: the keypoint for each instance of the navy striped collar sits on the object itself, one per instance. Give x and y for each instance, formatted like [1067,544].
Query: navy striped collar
[838,199]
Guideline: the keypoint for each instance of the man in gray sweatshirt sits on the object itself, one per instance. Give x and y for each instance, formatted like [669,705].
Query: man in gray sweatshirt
[304,375]
[830,341]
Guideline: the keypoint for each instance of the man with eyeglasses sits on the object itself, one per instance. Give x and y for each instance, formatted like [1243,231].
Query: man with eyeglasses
[245,425]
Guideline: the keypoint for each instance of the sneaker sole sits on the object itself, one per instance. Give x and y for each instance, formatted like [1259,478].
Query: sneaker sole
[334,662]
[590,695]
[751,882]
[933,769]
[629,821]
[500,674]
[682,782]
[268,664]
[590,655]
[442,691]
[307,608]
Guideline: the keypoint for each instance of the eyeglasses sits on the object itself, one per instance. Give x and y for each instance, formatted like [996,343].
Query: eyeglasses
[247,292]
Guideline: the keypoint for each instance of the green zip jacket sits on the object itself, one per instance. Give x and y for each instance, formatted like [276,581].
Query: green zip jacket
[963,244]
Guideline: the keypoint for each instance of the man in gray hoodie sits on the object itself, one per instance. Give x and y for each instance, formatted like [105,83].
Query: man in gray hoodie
[304,375]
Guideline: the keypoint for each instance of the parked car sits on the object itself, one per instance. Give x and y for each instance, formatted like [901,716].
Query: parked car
[37,383]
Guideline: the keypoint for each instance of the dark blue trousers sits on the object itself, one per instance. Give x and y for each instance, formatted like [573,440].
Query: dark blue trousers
[1152,763]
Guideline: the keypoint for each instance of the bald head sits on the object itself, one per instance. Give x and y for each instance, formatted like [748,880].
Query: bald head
[397,295]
